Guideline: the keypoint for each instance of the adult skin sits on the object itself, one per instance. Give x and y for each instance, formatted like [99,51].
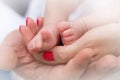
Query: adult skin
[15,56]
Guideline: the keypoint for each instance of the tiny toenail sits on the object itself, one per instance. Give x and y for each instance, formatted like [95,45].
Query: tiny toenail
[48,56]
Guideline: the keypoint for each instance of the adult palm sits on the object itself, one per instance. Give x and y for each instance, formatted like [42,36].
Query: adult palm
[15,56]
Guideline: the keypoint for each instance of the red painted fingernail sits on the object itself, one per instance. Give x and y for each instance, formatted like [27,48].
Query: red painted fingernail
[37,21]
[48,56]
[27,21]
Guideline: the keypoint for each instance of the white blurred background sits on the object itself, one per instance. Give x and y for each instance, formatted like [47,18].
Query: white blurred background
[13,13]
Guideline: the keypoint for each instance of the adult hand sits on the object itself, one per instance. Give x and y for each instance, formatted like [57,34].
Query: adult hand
[14,55]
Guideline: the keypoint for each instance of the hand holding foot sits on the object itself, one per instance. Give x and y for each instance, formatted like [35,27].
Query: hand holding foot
[77,68]
[27,67]
[63,54]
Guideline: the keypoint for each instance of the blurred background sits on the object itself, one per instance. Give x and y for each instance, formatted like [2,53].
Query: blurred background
[20,6]
[5,75]
[14,12]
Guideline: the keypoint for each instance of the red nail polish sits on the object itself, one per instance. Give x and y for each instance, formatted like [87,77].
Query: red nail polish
[37,21]
[27,21]
[48,56]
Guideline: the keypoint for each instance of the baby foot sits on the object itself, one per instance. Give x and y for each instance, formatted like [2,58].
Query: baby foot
[68,33]
[46,39]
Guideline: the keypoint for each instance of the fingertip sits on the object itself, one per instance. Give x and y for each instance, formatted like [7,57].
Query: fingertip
[21,28]
[27,18]
[39,21]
